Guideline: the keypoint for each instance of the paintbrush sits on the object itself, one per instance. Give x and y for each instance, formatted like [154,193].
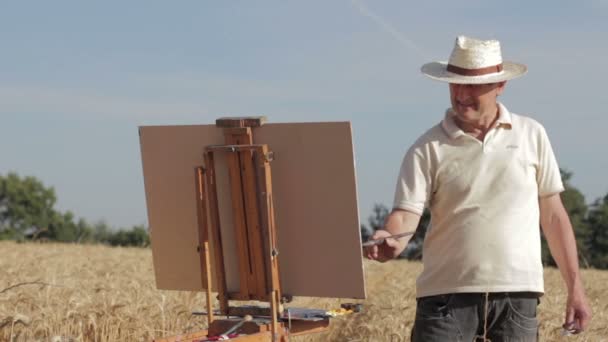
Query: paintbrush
[375,242]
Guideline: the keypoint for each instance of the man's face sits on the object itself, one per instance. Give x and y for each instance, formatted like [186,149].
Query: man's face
[473,101]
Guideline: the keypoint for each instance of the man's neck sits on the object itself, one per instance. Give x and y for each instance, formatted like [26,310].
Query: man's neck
[479,128]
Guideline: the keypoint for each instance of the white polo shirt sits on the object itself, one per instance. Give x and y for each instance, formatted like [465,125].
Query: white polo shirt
[484,234]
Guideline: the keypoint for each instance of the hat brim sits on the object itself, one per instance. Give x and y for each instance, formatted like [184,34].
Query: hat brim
[438,71]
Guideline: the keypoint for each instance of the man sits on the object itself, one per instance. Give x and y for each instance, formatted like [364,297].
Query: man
[488,177]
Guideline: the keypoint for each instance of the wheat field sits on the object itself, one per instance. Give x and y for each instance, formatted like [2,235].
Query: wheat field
[63,292]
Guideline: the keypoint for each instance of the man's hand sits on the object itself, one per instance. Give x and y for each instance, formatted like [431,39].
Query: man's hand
[578,312]
[398,221]
[385,251]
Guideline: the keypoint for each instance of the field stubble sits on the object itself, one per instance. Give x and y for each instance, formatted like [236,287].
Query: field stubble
[98,293]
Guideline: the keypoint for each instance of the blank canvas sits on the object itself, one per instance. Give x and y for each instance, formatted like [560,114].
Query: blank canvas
[315,200]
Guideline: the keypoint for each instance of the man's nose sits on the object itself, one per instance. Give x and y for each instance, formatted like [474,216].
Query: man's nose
[462,91]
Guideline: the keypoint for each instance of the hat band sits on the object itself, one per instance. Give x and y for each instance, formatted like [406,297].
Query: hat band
[474,72]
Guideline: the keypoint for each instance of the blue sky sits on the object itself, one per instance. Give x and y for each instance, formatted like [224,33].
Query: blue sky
[78,78]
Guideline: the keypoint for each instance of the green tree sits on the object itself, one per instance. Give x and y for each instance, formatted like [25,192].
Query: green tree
[598,239]
[84,231]
[26,211]
[137,236]
[102,232]
[26,205]
[63,228]
[378,217]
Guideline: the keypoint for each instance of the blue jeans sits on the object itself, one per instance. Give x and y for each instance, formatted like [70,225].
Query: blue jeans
[502,316]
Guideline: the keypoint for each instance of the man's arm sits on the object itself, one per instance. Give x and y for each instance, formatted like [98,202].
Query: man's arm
[398,221]
[558,232]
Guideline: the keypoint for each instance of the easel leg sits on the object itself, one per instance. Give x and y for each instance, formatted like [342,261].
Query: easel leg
[216,233]
[273,310]
[204,239]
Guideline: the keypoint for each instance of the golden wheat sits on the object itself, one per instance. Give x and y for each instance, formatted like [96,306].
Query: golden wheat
[61,292]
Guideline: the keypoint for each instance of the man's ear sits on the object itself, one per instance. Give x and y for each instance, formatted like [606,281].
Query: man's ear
[501,87]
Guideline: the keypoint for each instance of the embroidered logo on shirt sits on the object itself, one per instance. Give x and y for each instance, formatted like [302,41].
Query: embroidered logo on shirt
[512,147]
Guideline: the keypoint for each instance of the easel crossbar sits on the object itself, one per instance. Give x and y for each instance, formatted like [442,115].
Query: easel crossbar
[234,148]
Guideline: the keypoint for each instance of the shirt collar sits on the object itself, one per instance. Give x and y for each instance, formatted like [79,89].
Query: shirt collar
[453,131]
[504,117]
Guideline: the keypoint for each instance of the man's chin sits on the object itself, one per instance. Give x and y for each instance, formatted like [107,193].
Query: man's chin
[466,116]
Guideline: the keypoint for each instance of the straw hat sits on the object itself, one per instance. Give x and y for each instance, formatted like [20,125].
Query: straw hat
[474,61]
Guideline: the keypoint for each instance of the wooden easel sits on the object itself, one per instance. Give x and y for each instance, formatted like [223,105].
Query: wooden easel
[256,240]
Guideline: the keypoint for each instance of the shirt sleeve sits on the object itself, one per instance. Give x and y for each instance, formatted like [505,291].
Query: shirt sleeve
[414,183]
[548,176]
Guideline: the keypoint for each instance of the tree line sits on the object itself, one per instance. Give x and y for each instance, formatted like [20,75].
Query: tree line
[590,224]
[27,212]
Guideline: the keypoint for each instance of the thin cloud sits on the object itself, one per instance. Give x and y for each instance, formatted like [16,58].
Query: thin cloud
[80,103]
[389,28]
